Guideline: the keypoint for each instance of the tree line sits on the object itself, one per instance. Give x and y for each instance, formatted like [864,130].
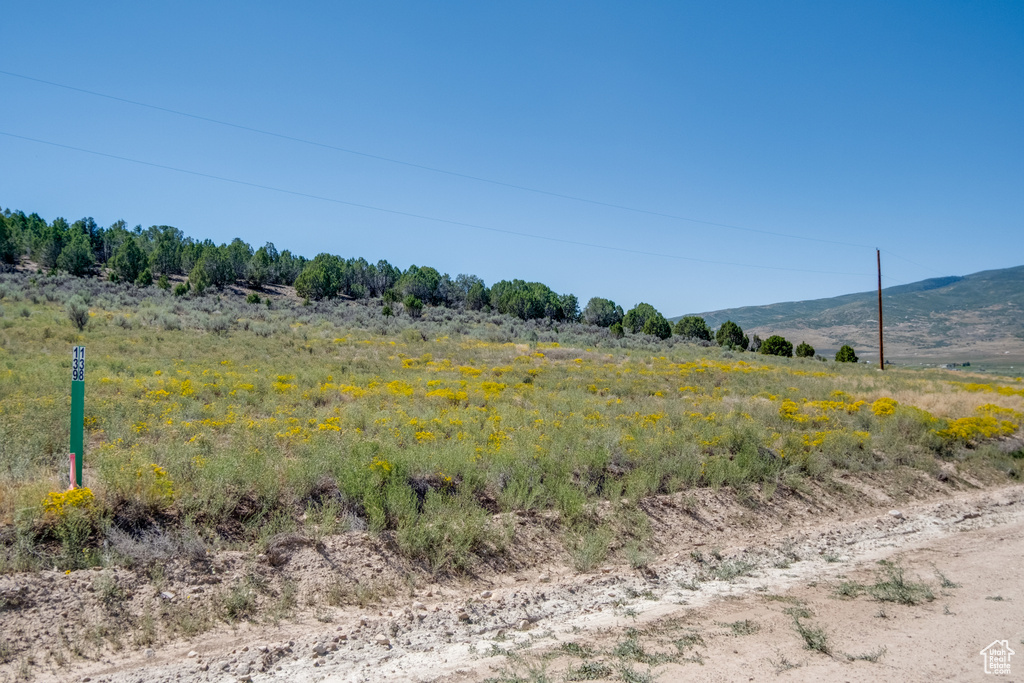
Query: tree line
[149,256]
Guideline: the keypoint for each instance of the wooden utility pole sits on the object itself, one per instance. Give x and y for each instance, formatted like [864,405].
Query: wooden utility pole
[881,353]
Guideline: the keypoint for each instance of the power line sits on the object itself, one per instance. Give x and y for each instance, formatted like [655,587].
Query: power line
[886,251]
[408,214]
[432,169]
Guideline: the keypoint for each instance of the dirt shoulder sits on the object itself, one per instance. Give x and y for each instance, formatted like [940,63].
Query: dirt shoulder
[963,572]
[718,600]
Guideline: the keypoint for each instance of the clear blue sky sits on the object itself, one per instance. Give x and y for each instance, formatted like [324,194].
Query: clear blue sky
[891,124]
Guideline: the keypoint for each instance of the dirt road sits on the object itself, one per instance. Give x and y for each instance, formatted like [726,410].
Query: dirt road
[723,604]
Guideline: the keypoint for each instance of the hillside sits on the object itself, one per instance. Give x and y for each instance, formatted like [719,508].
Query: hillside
[976,318]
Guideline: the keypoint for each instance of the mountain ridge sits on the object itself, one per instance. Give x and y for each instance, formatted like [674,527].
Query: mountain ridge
[938,320]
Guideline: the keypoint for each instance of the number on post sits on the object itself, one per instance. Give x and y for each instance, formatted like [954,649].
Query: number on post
[78,364]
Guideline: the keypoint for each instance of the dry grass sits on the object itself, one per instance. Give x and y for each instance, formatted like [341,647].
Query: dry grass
[249,421]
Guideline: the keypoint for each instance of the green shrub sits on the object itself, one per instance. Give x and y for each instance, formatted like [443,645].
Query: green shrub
[846,355]
[692,327]
[602,312]
[78,312]
[637,317]
[181,289]
[128,261]
[657,326]
[163,283]
[804,350]
[616,330]
[777,346]
[413,306]
[145,278]
[730,335]
[253,298]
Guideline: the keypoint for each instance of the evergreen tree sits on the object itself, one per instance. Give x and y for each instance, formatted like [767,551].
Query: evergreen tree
[657,326]
[8,248]
[692,327]
[637,316]
[846,354]
[804,350]
[76,256]
[213,269]
[777,346]
[128,261]
[320,279]
[259,270]
[730,335]
[602,312]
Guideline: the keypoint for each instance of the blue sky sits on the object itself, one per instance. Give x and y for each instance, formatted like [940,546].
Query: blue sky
[890,124]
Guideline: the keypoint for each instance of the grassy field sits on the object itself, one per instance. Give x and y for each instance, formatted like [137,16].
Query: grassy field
[232,422]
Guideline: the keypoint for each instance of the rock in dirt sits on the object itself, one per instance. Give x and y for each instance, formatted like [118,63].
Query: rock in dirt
[896,514]
[382,640]
[486,594]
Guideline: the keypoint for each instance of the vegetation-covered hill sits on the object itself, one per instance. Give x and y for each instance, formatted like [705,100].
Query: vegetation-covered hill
[237,419]
[978,317]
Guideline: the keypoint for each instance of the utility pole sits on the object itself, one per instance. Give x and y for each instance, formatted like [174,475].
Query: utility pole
[881,353]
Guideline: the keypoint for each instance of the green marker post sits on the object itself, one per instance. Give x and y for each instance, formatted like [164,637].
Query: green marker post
[78,410]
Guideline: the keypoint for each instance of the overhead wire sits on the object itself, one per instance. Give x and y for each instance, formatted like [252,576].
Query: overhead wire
[432,169]
[418,216]
[467,176]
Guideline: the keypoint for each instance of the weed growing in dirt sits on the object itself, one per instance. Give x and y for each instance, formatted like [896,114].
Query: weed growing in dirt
[814,637]
[109,593]
[798,612]
[849,589]
[576,650]
[362,593]
[519,669]
[732,569]
[944,581]
[239,602]
[746,627]
[688,640]
[630,675]
[631,650]
[588,671]
[589,548]
[893,586]
[783,665]
[872,657]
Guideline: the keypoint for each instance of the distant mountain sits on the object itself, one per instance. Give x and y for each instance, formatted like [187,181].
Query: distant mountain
[946,319]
